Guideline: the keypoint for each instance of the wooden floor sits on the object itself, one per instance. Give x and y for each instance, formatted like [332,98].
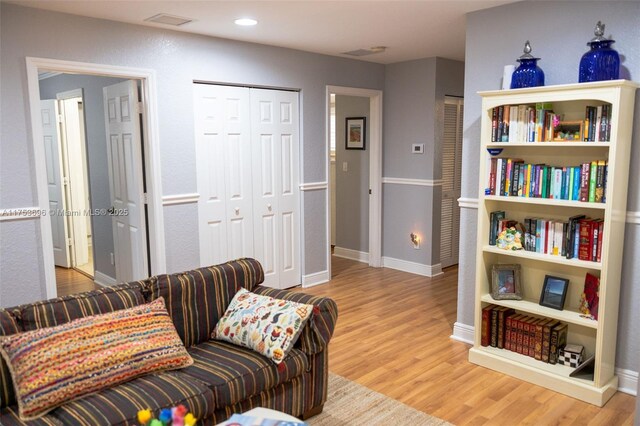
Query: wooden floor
[393,337]
[70,281]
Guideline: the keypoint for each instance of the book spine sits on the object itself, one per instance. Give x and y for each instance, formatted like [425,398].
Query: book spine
[599,193]
[584,247]
[503,176]
[558,341]
[520,335]
[601,236]
[486,319]
[584,182]
[546,340]
[532,336]
[494,124]
[537,353]
[507,332]
[593,172]
[494,328]
[594,244]
[500,123]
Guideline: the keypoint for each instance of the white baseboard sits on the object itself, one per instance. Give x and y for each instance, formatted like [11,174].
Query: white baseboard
[103,280]
[627,379]
[463,333]
[315,279]
[360,256]
[412,267]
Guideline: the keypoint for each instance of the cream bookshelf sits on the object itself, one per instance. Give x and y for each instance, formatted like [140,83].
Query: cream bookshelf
[598,337]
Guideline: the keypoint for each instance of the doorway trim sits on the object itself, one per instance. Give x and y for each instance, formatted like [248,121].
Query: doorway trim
[375,169]
[155,230]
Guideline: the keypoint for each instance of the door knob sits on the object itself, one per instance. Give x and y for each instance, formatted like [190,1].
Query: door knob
[269,207]
[237,209]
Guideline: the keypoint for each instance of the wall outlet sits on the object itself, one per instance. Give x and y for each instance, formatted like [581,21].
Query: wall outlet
[113,259]
[417,148]
[345,166]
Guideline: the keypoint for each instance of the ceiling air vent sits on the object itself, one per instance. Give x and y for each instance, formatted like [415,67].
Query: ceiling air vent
[365,52]
[163,18]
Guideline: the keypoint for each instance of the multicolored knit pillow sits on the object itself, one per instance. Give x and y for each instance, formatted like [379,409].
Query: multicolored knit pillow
[268,326]
[51,366]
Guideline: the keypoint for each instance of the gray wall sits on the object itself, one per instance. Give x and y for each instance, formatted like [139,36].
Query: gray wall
[97,156]
[414,113]
[352,186]
[178,59]
[558,32]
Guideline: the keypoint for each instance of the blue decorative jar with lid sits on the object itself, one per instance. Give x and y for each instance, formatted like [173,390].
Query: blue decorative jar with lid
[601,62]
[528,74]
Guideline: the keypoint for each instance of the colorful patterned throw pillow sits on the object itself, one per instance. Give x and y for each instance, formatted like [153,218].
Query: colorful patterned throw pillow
[268,326]
[51,366]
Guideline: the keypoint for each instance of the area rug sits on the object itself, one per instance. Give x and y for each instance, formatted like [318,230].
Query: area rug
[349,403]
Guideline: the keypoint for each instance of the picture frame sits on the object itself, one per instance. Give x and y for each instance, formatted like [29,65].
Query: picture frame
[554,292]
[505,282]
[568,131]
[356,133]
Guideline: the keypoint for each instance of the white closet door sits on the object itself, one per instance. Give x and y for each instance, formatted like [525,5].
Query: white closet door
[223,150]
[275,149]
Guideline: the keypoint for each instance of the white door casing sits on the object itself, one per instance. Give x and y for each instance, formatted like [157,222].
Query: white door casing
[223,151]
[451,181]
[124,155]
[275,151]
[55,181]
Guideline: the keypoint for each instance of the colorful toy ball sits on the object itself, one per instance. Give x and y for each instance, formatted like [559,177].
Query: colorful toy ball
[189,420]
[144,416]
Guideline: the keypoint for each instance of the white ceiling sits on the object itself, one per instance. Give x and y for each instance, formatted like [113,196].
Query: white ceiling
[410,29]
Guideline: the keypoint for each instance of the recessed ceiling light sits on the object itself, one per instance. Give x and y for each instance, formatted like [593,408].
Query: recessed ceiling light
[245,22]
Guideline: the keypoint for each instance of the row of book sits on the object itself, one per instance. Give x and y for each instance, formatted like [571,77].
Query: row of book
[529,123]
[513,177]
[578,237]
[539,338]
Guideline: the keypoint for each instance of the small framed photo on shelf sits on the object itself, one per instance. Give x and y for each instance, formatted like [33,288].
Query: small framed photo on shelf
[356,133]
[554,292]
[505,282]
[568,131]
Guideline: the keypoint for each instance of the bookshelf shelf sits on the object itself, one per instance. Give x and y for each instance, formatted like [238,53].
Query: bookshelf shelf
[532,307]
[560,260]
[546,202]
[549,144]
[569,103]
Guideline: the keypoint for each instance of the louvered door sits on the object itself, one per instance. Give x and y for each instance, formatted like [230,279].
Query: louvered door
[451,175]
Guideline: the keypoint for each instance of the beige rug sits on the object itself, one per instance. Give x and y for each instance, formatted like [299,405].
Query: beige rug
[350,403]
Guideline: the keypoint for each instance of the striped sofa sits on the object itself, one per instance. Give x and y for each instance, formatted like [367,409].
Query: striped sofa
[224,378]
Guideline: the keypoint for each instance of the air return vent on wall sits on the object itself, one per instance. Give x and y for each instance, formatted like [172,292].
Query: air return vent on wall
[365,52]
[163,18]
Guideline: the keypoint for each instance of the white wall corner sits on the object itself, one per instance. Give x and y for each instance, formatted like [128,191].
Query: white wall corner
[412,267]
[359,256]
[627,381]
[103,280]
[463,333]
[314,279]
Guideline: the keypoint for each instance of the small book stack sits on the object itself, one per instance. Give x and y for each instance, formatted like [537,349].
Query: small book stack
[540,338]
[515,178]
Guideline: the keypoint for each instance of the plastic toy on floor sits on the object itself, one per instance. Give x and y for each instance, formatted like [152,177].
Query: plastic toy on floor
[176,416]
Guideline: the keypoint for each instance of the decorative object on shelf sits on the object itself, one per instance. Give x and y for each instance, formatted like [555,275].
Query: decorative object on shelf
[509,239]
[590,296]
[585,370]
[495,151]
[568,131]
[356,133]
[571,355]
[554,292]
[506,76]
[505,282]
[601,62]
[528,74]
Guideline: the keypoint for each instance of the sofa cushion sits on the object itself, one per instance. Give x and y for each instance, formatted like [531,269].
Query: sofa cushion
[316,335]
[9,417]
[197,299]
[8,325]
[268,326]
[235,373]
[120,405]
[49,313]
[53,365]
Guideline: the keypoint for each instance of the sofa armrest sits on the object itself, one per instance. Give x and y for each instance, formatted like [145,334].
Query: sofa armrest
[316,334]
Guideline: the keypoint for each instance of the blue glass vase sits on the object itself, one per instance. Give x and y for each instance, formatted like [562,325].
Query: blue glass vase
[601,62]
[528,74]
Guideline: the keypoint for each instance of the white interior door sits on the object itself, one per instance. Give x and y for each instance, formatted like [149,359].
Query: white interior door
[223,150]
[275,150]
[76,159]
[126,180]
[451,182]
[55,181]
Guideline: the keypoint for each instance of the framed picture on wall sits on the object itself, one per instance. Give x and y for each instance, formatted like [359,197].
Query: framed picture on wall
[356,133]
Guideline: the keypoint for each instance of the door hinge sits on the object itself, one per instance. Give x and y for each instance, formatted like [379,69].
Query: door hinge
[69,242]
[369,192]
[65,180]
[59,118]
[145,198]
[139,107]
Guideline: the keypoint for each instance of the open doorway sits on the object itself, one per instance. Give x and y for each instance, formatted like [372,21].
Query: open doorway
[130,208]
[354,173]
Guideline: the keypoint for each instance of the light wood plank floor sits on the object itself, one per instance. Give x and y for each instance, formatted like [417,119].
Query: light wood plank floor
[393,337]
[70,281]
